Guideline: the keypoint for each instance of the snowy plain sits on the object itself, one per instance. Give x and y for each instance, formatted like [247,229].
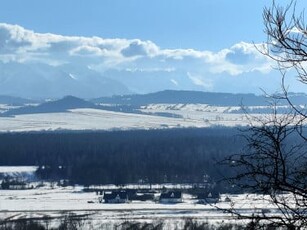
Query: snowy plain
[55,202]
[47,200]
[96,119]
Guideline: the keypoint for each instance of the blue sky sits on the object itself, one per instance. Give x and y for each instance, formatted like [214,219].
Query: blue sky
[198,24]
[147,45]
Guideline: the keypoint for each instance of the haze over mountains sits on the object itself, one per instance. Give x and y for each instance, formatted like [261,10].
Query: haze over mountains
[43,65]
[42,81]
[15,101]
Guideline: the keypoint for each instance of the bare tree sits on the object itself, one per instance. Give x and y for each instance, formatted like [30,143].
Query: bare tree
[274,162]
[274,166]
[286,44]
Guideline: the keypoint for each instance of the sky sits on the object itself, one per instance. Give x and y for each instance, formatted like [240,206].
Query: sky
[207,42]
[197,24]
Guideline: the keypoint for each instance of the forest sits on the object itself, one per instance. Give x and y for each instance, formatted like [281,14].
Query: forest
[120,157]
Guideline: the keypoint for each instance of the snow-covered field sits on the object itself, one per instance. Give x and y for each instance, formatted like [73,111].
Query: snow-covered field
[94,119]
[48,201]
[184,115]
[91,119]
[17,169]
[22,172]
[54,202]
[74,199]
[211,115]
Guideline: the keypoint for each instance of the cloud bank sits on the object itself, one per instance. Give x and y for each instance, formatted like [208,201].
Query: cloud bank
[141,64]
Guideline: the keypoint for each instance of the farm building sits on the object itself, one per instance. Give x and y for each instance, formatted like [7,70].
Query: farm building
[115,197]
[171,197]
[208,197]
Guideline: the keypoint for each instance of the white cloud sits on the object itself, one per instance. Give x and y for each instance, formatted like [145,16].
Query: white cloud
[140,48]
[148,70]
[242,58]
[296,30]
[200,81]
[86,51]
[174,82]
[17,43]
[21,45]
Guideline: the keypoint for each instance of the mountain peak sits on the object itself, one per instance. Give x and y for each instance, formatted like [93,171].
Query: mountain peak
[61,105]
[68,102]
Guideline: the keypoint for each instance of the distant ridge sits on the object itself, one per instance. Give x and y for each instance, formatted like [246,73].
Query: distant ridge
[17,101]
[183,97]
[67,102]
[194,97]
[62,105]
[133,103]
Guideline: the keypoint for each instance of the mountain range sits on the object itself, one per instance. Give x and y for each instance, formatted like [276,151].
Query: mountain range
[42,81]
[15,101]
[133,103]
[197,97]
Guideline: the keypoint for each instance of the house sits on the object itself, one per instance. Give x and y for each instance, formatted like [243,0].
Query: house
[208,197]
[115,197]
[227,199]
[14,184]
[171,197]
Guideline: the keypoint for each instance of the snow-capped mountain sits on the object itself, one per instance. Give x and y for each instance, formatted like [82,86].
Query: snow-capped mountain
[46,81]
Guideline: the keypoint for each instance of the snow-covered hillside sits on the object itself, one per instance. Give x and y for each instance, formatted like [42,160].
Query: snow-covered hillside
[96,119]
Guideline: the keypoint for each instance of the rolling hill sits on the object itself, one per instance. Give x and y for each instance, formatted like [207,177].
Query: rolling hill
[195,97]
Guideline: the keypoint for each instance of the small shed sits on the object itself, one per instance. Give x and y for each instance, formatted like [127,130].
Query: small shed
[171,197]
[208,197]
[115,197]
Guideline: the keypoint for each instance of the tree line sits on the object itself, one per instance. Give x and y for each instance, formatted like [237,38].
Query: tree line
[119,157]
